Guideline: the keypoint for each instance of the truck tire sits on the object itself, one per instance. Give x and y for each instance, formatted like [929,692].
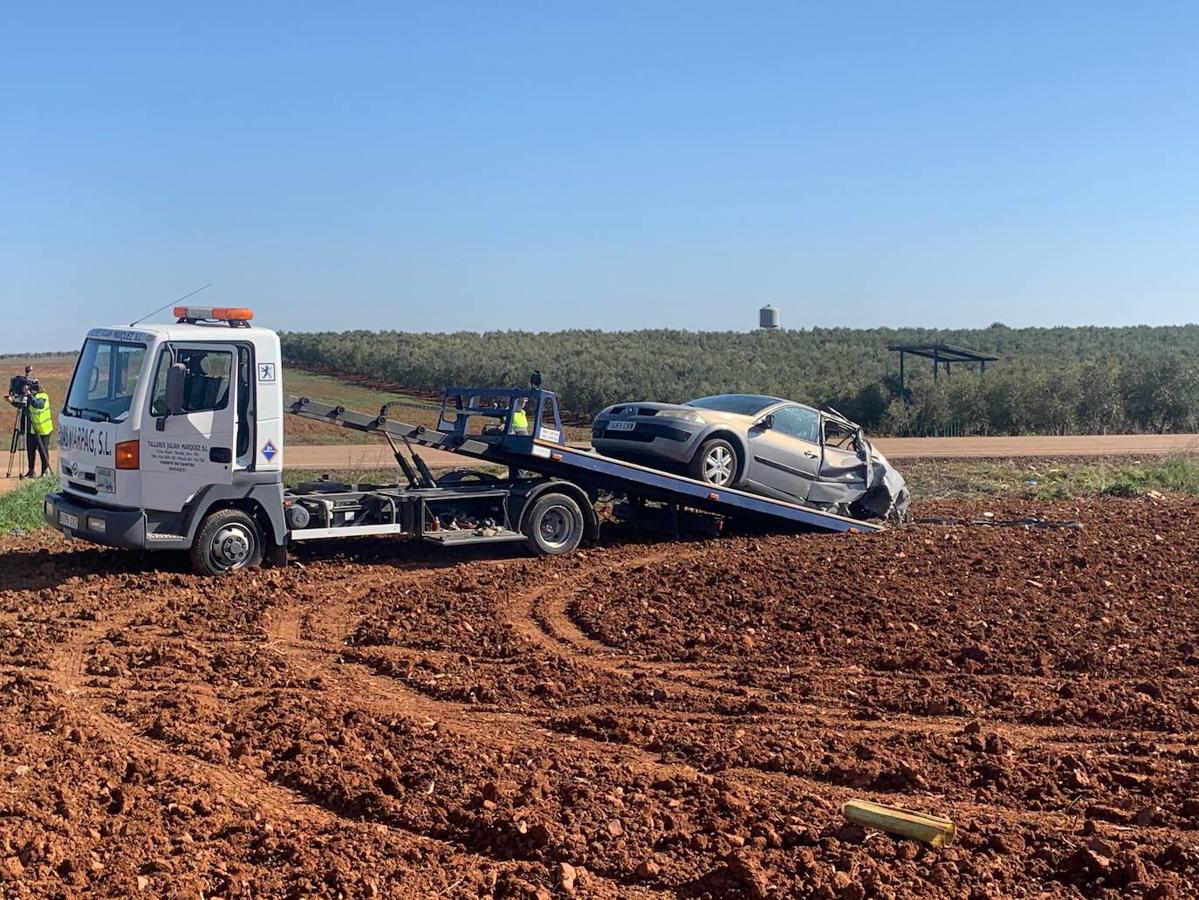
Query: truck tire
[227,540]
[554,525]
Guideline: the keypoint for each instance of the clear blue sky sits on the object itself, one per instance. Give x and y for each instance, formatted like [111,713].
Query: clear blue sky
[612,165]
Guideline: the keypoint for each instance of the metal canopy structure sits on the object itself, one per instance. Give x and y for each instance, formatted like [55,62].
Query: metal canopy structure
[940,354]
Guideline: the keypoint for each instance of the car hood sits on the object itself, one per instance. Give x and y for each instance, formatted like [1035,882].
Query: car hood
[649,408]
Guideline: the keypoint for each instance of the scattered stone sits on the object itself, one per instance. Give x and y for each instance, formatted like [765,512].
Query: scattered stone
[1148,816]
[566,877]
[1077,779]
[1006,844]
[851,834]
[1085,861]
[1102,846]
[975,653]
[648,869]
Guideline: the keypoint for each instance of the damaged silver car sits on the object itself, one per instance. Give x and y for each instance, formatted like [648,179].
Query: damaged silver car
[767,445]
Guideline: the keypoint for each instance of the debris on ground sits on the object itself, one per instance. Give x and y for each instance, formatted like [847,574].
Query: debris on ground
[936,831]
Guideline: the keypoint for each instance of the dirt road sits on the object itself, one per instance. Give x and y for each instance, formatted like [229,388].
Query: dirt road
[639,720]
[378,455]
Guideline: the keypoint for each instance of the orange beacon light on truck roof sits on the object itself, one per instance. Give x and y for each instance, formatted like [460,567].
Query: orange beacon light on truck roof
[214,313]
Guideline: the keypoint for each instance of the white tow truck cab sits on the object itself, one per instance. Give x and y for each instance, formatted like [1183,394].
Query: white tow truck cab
[164,425]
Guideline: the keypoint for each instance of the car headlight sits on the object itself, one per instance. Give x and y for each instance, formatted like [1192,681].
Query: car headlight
[689,415]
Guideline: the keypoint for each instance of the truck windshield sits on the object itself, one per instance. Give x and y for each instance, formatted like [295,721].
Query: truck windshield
[105,378]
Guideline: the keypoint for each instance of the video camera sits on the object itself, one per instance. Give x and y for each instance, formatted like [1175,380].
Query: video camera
[19,388]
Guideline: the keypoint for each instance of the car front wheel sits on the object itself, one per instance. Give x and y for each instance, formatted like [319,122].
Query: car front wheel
[715,463]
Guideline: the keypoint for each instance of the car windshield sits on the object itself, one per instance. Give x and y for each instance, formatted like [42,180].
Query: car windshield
[105,378]
[743,404]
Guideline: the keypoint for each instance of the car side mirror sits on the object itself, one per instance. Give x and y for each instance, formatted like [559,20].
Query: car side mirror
[176,376]
[767,421]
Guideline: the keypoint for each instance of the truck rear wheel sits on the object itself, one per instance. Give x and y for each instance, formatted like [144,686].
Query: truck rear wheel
[554,525]
[227,540]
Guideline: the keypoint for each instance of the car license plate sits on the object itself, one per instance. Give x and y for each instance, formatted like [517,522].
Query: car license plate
[622,426]
[68,521]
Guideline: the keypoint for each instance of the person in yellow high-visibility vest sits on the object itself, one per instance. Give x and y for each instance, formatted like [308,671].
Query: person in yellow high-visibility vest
[41,425]
[520,418]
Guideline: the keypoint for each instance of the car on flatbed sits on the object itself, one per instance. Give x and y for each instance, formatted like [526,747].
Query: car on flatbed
[766,445]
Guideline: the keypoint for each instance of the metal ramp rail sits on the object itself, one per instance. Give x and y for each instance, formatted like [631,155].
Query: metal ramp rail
[546,452]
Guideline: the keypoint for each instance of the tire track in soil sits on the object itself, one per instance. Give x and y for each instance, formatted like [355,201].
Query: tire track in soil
[67,677]
[386,695]
[543,615]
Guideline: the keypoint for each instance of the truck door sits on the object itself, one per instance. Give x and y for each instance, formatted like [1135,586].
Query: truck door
[786,456]
[181,454]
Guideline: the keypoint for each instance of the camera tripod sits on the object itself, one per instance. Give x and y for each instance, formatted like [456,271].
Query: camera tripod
[16,447]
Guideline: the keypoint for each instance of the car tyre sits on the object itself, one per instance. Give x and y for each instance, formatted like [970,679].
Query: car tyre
[554,525]
[716,463]
[227,540]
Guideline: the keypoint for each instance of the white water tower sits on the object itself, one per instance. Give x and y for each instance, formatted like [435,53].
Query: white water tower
[768,317]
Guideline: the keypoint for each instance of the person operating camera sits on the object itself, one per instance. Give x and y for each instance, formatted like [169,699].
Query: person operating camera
[39,423]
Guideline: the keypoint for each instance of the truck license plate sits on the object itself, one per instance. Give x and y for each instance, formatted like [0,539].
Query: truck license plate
[622,426]
[68,521]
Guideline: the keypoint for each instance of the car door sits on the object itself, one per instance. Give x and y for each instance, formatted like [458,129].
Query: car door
[785,452]
[181,454]
[843,471]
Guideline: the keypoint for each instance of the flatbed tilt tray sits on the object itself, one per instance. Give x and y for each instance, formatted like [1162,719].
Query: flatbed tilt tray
[545,500]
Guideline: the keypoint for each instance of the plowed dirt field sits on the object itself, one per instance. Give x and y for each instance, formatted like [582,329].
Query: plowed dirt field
[640,720]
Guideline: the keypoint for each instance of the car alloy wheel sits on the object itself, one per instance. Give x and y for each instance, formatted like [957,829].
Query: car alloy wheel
[719,465]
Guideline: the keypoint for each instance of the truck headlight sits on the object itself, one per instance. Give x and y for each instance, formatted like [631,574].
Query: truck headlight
[95,523]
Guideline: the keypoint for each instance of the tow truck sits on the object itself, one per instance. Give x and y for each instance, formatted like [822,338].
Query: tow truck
[171,438]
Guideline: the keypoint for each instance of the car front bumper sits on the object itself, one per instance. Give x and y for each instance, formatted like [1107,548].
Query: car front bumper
[99,524]
[649,441]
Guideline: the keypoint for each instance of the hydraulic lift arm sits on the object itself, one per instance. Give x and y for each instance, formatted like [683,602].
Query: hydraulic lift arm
[380,424]
[390,429]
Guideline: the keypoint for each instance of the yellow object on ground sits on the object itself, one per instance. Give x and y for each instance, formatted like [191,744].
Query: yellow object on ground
[936,831]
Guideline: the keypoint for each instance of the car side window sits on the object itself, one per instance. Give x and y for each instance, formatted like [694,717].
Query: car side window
[206,385]
[839,435]
[798,422]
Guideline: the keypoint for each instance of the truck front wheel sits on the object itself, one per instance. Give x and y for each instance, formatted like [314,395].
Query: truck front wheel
[228,540]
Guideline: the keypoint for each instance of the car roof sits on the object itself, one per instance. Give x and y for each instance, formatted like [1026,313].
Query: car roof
[764,399]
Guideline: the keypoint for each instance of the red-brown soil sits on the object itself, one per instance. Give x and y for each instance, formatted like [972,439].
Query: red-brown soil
[642,719]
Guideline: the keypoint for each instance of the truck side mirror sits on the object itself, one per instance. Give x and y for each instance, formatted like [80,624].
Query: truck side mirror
[176,376]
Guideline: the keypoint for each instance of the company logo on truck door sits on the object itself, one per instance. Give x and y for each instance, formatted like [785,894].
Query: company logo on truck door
[176,456]
[97,441]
